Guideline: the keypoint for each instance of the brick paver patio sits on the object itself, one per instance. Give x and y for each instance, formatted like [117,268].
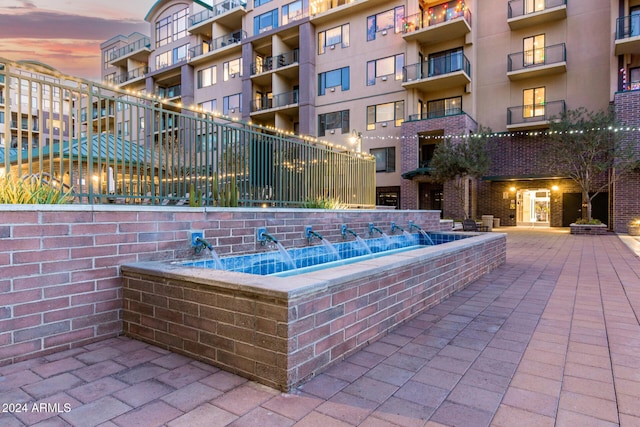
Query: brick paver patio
[551,338]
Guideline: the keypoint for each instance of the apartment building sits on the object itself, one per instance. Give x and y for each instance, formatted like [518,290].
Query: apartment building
[395,78]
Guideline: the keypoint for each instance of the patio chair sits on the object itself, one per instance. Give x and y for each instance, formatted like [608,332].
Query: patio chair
[471,225]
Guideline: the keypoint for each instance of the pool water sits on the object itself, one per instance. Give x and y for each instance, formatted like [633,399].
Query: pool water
[312,258]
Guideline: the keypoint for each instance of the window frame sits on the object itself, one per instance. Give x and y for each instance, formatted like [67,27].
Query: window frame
[534,55]
[389,159]
[372,67]
[374,110]
[226,74]
[444,102]
[258,29]
[287,14]
[372,22]
[343,119]
[210,72]
[226,104]
[323,39]
[534,109]
[344,80]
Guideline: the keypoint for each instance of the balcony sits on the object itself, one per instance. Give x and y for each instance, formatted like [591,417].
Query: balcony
[536,116]
[267,107]
[129,76]
[322,11]
[229,13]
[438,24]
[537,62]
[628,35]
[211,48]
[137,51]
[446,72]
[284,64]
[170,93]
[435,114]
[526,13]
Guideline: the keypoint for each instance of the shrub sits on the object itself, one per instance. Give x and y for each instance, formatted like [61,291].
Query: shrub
[33,189]
[583,221]
[324,203]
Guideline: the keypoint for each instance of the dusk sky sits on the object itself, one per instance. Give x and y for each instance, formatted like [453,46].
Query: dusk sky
[66,34]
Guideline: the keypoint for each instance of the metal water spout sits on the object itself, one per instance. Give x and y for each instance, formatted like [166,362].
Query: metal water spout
[373,228]
[264,237]
[344,230]
[395,227]
[412,226]
[311,234]
[199,243]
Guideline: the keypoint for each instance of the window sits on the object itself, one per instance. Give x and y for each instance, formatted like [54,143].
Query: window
[385,159]
[180,21]
[163,60]
[180,53]
[331,79]
[209,106]
[533,50]
[383,113]
[384,21]
[231,68]
[232,104]
[257,3]
[291,12]
[163,33]
[332,121]
[391,65]
[531,6]
[444,107]
[533,102]
[331,38]
[141,123]
[446,62]
[107,57]
[265,22]
[207,77]
[634,81]
[172,27]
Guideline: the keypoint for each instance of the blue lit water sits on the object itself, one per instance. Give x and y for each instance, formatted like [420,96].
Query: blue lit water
[312,257]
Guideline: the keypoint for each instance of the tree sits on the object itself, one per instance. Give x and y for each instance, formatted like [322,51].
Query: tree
[586,147]
[458,162]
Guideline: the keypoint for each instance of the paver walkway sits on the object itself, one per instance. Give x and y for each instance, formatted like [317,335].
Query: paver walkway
[551,338]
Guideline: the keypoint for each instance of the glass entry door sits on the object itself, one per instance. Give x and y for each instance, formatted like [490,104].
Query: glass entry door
[533,207]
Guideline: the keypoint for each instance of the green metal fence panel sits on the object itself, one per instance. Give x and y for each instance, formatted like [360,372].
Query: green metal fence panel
[112,146]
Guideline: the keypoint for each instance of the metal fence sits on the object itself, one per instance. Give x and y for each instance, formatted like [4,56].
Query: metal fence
[111,146]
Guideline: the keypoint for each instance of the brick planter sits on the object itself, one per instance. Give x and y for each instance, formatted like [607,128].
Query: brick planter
[589,229]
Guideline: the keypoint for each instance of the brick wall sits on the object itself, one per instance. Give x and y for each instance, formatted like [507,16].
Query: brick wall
[60,282]
[292,329]
[627,190]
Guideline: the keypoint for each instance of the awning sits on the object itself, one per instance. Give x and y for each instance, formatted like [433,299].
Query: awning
[416,172]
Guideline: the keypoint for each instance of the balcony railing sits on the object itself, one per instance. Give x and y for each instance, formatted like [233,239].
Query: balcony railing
[218,9]
[170,92]
[24,125]
[144,43]
[279,100]
[435,114]
[434,16]
[217,43]
[273,62]
[439,66]
[518,8]
[537,57]
[130,75]
[325,5]
[535,113]
[627,27]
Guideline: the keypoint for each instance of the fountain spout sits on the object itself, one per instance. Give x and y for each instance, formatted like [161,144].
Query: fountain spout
[344,230]
[395,227]
[412,226]
[265,237]
[201,243]
[311,234]
[373,228]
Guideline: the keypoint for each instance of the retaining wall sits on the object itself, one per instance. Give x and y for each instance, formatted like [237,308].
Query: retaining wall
[60,280]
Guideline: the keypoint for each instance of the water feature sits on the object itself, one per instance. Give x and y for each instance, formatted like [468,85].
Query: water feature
[265,237]
[385,236]
[214,255]
[421,231]
[328,245]
[346,230]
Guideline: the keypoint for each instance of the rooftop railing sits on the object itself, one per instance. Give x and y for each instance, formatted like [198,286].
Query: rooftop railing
[518,8]
[144,43]
[151,151]
[218,9]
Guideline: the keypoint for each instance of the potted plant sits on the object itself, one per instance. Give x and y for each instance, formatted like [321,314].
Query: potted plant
[633,227]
